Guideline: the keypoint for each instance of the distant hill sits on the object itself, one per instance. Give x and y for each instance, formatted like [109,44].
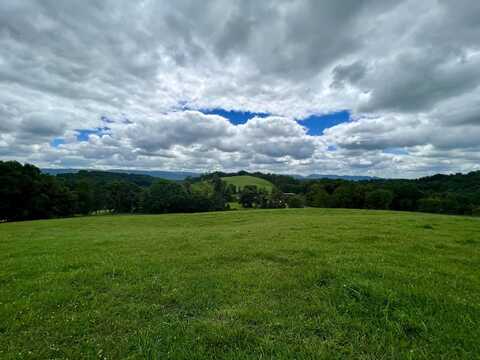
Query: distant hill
[95,176]
[169,175]
[59,171]
[243,180]
[182,175]
[336,177]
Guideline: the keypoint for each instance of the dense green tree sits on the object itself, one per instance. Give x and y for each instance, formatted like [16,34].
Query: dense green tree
[277,199]
[165,196]
[318,196]
[379,199]
[85,199]
[124,197]
[106,177]
[296,201]
[26,193]
[248,196]
[230,192]
[342,197]
[406,196]
[430,204]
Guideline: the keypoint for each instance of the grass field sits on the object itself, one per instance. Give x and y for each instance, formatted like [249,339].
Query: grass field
[236,206]
[299,283]
[242,180]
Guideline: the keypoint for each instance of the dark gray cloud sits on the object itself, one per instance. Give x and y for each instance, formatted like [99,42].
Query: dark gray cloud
[43,125]
[351,73]
[419,80]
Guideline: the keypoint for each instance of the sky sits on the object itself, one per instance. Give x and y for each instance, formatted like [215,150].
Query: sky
[354,87]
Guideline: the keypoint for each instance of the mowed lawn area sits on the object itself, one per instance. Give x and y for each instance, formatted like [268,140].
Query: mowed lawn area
[243,180]
[293,283]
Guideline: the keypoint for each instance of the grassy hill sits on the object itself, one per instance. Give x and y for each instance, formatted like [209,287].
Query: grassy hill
[243,180]
[299,283]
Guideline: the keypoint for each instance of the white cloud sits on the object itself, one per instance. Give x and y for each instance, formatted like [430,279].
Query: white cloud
[407,70]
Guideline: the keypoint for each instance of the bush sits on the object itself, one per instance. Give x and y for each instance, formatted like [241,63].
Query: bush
[249,196]
[296,201]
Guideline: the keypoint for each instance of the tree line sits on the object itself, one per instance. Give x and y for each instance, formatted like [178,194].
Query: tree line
[446,194]
[251,196]
[26,193]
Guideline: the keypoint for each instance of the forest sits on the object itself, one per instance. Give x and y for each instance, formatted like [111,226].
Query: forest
[26,193]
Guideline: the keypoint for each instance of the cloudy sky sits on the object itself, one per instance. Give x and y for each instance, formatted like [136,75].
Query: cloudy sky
[365,87]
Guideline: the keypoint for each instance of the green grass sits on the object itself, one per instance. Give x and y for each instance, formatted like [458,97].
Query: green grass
[299,283]
[236,206]
[242,180]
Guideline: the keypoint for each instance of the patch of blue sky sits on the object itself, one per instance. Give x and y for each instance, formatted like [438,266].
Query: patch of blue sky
[235,117]
[317,124]
[57,142]
[84,134]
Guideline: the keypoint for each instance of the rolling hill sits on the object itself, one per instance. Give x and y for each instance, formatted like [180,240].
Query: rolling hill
[295,283]
[168,175]
[243,180]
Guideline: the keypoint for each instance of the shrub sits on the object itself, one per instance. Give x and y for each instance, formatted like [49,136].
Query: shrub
[296,201]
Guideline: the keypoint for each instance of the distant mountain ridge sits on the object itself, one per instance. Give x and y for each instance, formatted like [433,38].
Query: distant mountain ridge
[337,177]
[182,175]
[168,175]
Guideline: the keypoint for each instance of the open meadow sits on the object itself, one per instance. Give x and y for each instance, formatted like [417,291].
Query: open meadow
[292,283]
[240,181]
